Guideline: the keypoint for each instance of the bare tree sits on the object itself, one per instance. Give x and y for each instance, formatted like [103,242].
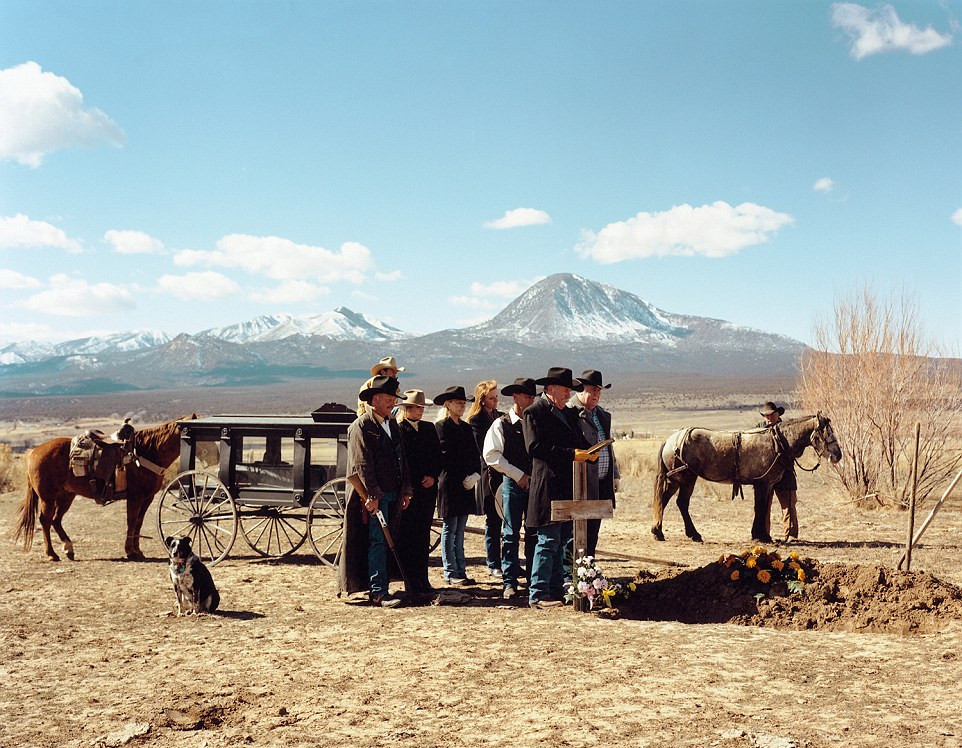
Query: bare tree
[874,371]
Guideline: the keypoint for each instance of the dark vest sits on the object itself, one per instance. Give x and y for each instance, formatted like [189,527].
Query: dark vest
[514,449]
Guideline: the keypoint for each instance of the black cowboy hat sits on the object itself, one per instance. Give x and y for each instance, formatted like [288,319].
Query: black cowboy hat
[593,377]
[560,376]
[380,384]
[521,386]
[452,393]
[770,407]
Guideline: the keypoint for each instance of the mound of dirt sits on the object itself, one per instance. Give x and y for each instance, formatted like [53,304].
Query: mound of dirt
[836,597]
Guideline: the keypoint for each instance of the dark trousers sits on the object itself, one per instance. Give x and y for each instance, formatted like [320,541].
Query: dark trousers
[492,534]
[414,538]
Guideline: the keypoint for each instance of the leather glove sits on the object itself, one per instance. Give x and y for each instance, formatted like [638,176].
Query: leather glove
[471,481]
[582,455]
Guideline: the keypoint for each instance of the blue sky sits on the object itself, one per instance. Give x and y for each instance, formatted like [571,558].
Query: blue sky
[193,164]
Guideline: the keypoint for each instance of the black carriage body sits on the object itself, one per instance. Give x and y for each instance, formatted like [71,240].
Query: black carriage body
[271,460]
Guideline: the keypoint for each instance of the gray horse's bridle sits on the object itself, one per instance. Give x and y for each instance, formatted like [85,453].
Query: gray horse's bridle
[819,443]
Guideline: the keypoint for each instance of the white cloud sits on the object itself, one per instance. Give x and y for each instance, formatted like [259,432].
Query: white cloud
[881,30]
[74,297]
[20,231]
[283,260]
[519,217]
[133,242]
[508,289]
[957,217]
[13,332]
[715,230]
[823,185]
[13,279]
[364,295]
[198,286]
[290,292]
[42,112]
[394,275]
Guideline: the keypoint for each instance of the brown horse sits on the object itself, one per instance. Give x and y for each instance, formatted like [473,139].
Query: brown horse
[52,487]
[758,457]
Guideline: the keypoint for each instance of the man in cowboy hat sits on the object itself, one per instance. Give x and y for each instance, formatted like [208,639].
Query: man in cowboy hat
[595,423]
[375,454]
[786,489]
[505,452]
[554,441]
[386,367]
[422,448]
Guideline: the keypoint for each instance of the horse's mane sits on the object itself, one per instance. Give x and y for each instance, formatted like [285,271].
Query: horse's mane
[151,440]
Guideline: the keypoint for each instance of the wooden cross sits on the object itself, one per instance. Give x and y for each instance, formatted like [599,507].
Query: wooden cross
[580,511]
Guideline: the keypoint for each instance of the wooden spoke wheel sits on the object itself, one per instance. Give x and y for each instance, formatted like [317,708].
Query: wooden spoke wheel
[325,521]
[436,526]
[198,505]
[274,531]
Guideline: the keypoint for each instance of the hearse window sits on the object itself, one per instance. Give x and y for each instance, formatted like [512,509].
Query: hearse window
[265,461]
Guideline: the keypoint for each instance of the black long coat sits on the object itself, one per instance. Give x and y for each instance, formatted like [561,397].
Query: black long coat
[459,459]
[371,455]
[422,448]
[551,440]
[490,478]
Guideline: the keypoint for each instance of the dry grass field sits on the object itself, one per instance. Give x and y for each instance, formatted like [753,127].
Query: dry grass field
[91,655]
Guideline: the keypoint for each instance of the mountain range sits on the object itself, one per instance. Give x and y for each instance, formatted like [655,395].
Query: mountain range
[563,319]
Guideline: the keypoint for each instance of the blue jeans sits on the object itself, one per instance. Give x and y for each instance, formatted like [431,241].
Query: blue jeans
[515,504]
[452,546]
[546,580]
[377,546]
[492,533]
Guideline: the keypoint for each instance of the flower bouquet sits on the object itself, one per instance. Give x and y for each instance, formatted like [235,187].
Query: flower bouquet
[768,568]
[588,582]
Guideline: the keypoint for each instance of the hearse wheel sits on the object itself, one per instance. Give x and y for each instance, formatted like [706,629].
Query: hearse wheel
[198,505]
[274,531]
[325,519]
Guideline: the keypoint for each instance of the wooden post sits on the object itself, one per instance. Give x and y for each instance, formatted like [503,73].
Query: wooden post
[915,483]
[935,510]
[579,510]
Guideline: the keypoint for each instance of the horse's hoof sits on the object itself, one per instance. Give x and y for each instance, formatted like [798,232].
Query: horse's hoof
[53,557]
[136,556]
[659,535]
[696,538]
[70,555]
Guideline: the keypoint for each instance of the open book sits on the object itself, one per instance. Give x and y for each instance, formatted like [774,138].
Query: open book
[600,446]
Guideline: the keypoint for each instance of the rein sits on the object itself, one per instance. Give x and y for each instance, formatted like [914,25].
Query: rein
[145,463]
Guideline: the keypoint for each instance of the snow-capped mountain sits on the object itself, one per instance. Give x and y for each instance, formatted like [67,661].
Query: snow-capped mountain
[562,320]
[341,324]
[132,340]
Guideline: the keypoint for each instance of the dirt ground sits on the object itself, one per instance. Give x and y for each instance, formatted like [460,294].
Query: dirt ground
[90,655]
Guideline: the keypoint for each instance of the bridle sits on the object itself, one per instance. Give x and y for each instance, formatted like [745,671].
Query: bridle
[819,443]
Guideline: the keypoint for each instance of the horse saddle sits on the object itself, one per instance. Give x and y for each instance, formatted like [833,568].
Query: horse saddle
[103,459]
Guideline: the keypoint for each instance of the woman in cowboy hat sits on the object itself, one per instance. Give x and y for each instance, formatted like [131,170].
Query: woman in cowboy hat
[483,412]
[460,473]
[423,451]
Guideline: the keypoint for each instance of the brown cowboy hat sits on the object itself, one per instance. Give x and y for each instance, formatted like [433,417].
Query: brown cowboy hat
[380,385]
[770,407]
[414,399]
[521,386]
[388,362]
[560,376]
[455,392]
[593,377]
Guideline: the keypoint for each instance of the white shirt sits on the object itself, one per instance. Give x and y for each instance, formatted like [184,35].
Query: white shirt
[494,449]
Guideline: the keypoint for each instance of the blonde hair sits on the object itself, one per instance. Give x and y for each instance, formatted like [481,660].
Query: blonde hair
[481,391]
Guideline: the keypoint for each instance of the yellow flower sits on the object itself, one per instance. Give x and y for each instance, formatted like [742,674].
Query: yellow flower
[794,565]
[801,574]
[735,575]
[764,577]
[632,586]
[607,595]
[793,554]
[751,562]
[758,550]
[778,565]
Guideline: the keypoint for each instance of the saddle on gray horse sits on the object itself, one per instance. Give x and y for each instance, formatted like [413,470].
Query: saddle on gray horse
[103,460]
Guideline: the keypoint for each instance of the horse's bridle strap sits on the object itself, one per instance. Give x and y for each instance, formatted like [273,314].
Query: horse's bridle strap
[145,463]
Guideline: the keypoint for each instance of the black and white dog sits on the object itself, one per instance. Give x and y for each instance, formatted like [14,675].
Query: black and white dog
[193,584]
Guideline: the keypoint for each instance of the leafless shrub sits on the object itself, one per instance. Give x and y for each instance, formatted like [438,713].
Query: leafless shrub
[11,470]
[874,371]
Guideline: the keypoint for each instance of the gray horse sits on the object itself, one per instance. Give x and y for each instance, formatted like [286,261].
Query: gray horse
[758,457]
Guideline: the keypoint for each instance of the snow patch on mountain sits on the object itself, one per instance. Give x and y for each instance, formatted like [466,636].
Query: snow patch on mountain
[341,324]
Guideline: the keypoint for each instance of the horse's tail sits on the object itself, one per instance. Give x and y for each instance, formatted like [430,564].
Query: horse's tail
[658,499]
[27,522]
